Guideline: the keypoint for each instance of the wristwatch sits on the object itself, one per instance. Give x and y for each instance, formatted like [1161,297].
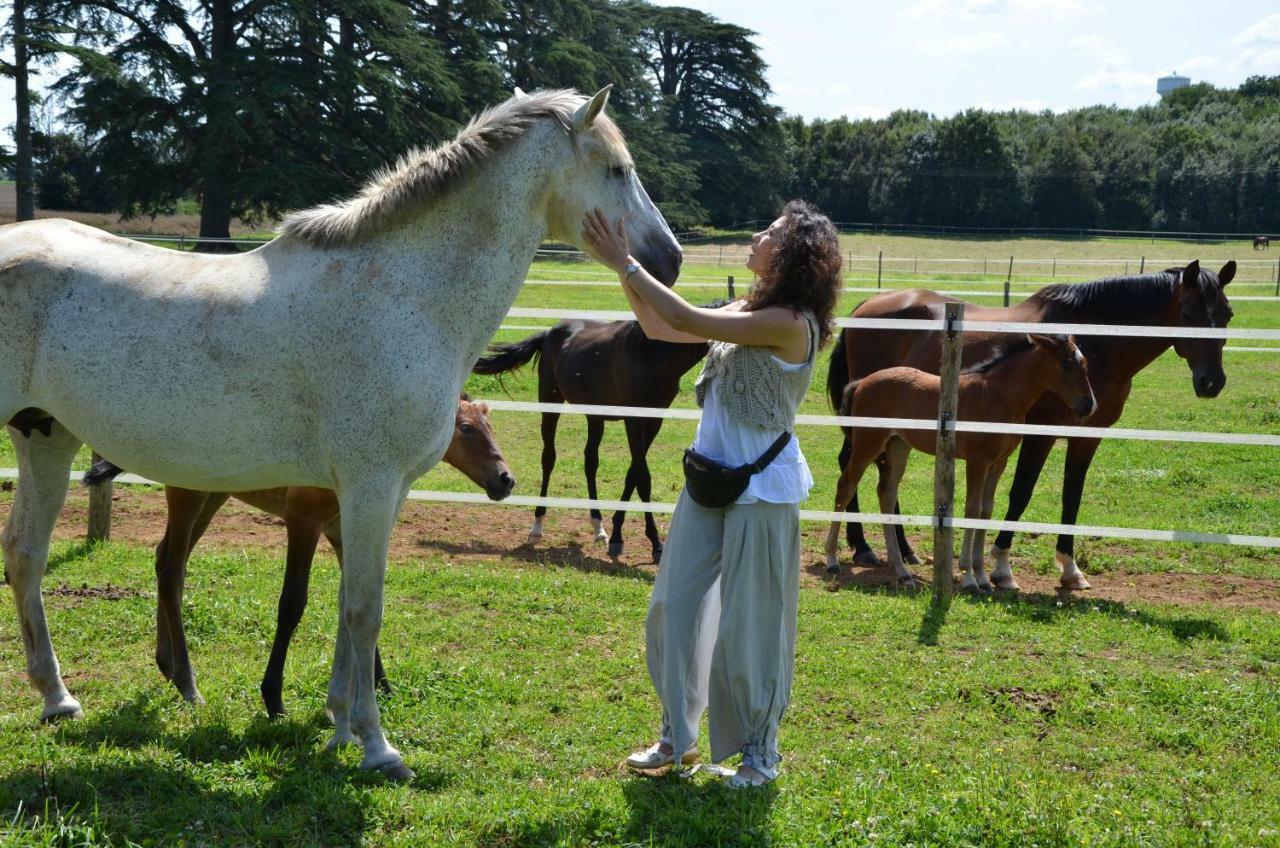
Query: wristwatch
[631,268]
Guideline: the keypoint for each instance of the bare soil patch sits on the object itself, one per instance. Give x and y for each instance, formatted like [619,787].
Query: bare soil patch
[485,535]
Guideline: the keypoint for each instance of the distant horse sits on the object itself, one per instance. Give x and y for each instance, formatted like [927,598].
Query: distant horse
[1261,243]
[331,357]
[610,364]
[1002,389]
[1180,297]
[307,513]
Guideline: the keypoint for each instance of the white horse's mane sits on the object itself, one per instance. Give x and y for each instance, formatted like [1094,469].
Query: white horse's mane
[422,174]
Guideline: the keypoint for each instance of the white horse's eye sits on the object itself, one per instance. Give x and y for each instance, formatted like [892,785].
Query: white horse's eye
[618,172]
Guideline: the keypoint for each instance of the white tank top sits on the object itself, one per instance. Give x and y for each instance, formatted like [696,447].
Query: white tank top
[725,439]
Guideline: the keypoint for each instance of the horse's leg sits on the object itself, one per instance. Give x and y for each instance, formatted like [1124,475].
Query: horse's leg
[189,514]
[846,493]
[590,464]
[550,420]
[1080,454]
[1031,459]
[333,532]
[44,465]
[980,536]
[908,553]
[303,527]
[892,468]
[368,510]
[862,553]
[972,578]
[640,435]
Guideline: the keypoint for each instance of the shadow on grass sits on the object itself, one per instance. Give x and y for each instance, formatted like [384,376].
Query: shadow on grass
[1034,607]
[934,617]
[1044,608]
[568,556]
[78,550]
[670,811]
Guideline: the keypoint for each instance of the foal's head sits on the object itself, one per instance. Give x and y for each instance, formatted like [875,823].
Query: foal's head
[1201,302]
[474,451]
[1065,367]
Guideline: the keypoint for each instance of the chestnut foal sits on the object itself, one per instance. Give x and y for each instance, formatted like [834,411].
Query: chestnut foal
[308,513]
[1001,389]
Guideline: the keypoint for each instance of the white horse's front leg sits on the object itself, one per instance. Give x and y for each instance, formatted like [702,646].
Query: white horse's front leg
[338,704]
[368,511]
[44,463]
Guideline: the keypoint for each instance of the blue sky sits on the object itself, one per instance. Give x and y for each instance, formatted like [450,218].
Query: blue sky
[864,59]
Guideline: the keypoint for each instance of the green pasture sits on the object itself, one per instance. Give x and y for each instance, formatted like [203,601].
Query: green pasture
[520,681]
[521,686]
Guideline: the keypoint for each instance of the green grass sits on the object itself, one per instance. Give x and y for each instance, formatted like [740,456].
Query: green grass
[519,689]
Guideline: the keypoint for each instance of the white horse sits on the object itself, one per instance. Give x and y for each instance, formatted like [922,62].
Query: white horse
[331,357]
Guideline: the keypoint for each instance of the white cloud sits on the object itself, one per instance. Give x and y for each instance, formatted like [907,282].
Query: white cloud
[1109,79]
[837,89]
[1088,44]
[961,45]
[1056,8]
[983,7]
[1197,63]
[1265,31]
[925,9]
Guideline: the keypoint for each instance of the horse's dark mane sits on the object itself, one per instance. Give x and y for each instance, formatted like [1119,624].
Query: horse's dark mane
[1007,350]
[1127,299]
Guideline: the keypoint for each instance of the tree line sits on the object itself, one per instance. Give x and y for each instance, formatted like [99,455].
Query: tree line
[254,107]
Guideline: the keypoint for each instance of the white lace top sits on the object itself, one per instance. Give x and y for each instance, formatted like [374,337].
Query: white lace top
[726,439]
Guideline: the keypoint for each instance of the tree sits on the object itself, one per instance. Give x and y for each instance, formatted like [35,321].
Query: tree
[244,103]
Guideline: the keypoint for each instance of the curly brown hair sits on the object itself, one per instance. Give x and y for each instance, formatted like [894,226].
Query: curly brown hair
[805,271]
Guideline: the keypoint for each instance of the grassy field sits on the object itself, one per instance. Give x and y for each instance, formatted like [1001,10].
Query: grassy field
[520,686]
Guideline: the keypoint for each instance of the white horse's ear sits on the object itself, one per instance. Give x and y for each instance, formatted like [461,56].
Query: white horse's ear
[589,111]
[520,93]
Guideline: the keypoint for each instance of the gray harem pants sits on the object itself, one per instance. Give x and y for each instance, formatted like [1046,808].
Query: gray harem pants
[721,632]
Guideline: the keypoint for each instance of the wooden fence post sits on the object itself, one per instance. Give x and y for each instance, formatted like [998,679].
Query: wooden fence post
[944,465]
[879,268]
[984,267]
[1142,265]
[1008,282]
[732,296]
[100,510]
[1055,267]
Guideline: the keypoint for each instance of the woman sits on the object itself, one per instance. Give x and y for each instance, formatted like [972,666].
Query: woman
[721,628]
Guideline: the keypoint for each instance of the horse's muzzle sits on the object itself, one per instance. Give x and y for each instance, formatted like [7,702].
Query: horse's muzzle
[1085,407]
[498,488]
[662,258]
[1209,385]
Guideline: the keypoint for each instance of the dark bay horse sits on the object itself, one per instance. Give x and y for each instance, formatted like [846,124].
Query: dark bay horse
[1179,297]
[606,363]
[1261,243]
[308,513]
[1002,389]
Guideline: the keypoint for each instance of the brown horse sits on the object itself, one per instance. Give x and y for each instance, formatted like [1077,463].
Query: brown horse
[308,513]
[1180,297]
[1261,243]
[1002,389]
[606,363]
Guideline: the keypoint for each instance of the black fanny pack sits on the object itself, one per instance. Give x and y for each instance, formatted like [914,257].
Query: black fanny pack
[715,485]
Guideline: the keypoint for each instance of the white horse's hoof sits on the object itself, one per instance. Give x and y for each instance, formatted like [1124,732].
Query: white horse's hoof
[601,536]
[833,564]
[1074,583]
[390,764]
[68,707]
[1006,584]
[1072,577]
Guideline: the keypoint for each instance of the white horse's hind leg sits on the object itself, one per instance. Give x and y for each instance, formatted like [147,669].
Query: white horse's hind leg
[368,512]
[338,703]
[44,463]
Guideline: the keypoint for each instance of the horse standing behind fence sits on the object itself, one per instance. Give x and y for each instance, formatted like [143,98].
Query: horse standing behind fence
[1261,243]
[1179,297]
[1001,389]
[331,357]
[308,513]
[605,363]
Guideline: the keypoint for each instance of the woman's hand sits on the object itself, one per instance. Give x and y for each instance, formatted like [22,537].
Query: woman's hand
[609,243]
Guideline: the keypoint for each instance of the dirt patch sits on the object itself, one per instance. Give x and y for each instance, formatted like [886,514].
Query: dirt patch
[485,536]
[96,593]
[1044,703]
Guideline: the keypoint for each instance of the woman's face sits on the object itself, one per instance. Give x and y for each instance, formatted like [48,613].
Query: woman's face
[763,245]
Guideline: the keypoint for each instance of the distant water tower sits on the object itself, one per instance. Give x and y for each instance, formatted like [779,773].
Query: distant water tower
[1173,82]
